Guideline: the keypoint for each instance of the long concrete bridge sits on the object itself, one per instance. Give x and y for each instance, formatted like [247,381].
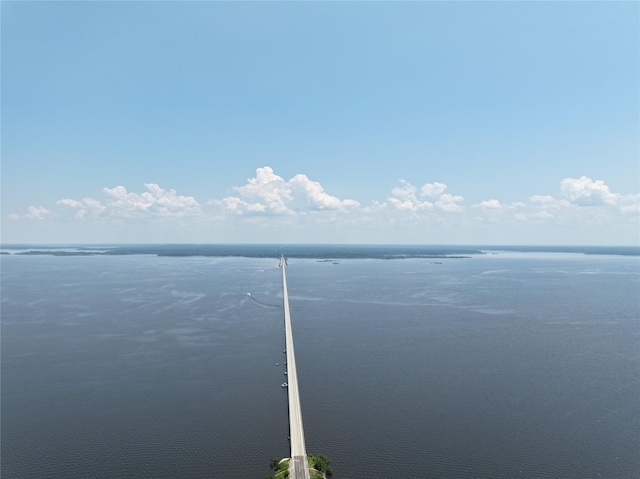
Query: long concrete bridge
[298,465]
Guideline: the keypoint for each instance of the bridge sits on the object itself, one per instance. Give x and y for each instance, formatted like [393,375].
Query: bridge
[298,465]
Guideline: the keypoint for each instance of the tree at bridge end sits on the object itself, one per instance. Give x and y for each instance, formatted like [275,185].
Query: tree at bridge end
[319,466]
[280,468]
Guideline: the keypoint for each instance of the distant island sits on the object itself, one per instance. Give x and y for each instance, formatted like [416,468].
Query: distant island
[320,252]
[324,252]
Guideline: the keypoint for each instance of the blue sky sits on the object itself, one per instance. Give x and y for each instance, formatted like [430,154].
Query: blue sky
[314,122]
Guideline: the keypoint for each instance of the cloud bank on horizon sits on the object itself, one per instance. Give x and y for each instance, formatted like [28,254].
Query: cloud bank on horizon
[268,202]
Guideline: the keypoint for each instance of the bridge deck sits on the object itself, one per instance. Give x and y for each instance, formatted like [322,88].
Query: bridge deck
[298,466]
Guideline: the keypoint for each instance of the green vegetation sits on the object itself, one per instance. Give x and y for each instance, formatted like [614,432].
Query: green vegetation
[325,253]
[319,466]
[280,468]
[60,253]
[330,253]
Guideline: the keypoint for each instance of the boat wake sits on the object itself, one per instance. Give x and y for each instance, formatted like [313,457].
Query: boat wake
[261,303]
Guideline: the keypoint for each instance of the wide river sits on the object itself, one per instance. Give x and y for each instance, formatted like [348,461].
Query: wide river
[504,365]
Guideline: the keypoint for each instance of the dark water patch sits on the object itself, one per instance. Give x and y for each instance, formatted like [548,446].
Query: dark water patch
[140,366]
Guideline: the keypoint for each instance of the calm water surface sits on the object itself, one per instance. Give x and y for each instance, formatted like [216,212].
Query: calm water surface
[500,366]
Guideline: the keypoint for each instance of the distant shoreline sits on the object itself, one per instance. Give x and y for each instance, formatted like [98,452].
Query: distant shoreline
[306,251]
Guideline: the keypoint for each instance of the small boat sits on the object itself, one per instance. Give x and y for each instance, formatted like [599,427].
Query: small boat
[284,385]
[285,373]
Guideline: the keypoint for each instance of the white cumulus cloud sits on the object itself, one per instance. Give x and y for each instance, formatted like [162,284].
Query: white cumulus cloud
[448,202]
[406,198]
[630,204]
[303,205]
[496,205]
[433,190]
[315,195]
[587,192]
[269,189]
[37,213]
[84,208]
[33,213]
[549,202]
[269,193]
[155,202]
[491,204]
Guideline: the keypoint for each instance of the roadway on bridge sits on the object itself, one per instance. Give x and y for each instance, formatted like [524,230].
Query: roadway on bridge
[299,465]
